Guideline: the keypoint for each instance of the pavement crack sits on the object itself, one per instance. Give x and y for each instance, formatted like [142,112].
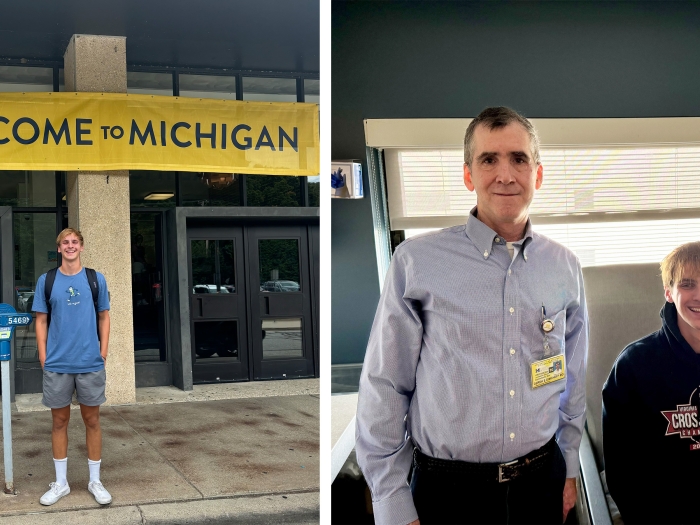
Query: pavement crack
[143,517]
[174,467]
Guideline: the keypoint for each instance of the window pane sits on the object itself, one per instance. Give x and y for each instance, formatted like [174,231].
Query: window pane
[203,255]
[311,90]
[226,266]
[314,184]
[147,287]
[270,89]
[196,191]
[28,188]
[141,83]
[152,189]
[282,338]
[16,78]
[216,341]
[279,265]
[208,86]
[35,254]
[273,190]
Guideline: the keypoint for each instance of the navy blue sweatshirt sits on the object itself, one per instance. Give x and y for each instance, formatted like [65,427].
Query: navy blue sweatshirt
[651,428]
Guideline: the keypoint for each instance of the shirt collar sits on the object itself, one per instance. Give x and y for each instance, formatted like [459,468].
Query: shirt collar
[484,237]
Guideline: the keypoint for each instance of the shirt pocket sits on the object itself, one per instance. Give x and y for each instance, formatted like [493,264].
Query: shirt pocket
[555,338]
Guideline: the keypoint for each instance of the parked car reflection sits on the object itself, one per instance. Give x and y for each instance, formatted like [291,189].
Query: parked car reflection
[211,288]
[280,286]
[25,300]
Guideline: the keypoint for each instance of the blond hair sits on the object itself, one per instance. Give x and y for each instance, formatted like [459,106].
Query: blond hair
[682,262]
[66,232]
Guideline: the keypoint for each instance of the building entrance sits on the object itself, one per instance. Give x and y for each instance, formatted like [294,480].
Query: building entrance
[250,303]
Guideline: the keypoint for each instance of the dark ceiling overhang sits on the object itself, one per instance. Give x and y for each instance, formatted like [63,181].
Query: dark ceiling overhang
[257,35]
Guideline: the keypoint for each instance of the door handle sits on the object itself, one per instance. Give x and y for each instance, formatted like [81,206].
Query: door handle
[201,310]
[267,305]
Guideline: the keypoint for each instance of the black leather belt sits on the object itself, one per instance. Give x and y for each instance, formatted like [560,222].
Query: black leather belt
[499,472]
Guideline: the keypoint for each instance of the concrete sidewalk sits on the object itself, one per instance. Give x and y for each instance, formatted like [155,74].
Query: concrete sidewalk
[226,458]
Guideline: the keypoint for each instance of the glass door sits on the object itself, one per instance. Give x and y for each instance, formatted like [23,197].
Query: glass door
[217,305]
[281,294]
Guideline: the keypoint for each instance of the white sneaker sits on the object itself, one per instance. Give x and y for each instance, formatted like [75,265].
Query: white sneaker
[101,495]
[54,493]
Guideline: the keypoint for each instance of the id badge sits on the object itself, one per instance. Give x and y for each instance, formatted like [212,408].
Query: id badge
[548,370]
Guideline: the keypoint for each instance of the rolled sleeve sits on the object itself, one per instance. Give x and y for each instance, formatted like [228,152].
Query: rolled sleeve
[384,451]
[572,402]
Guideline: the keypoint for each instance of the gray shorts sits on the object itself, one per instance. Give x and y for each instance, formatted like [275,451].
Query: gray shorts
[58,388]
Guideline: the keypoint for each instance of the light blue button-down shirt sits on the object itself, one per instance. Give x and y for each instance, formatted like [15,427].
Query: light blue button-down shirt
[457,327]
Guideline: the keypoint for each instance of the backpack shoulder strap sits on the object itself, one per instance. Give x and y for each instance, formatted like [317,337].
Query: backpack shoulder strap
[48,286]
[95,289]
[94,285]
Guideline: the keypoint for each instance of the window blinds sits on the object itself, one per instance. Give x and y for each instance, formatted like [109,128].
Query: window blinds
[585,194]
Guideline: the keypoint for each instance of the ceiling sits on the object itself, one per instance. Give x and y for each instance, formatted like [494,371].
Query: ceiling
[259,35]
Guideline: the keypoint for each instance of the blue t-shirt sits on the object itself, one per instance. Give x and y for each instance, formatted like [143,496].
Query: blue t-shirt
[72,346]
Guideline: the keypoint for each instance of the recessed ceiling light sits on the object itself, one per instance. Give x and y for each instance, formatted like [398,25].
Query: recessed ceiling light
[158,196]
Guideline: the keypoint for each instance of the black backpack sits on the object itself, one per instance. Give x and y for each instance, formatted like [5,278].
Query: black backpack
[94,288]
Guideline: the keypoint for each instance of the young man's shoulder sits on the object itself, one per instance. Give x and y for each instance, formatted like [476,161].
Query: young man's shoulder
[640,358]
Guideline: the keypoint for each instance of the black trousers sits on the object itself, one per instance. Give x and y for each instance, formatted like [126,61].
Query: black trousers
[448,498]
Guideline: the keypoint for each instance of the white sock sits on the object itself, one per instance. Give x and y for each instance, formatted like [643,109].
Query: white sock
[94,467]
[61,466]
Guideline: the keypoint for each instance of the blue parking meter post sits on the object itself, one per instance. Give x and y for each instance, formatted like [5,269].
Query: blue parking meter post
[9,319]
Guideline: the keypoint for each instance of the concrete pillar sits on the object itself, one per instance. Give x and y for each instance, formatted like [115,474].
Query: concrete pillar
[99,206]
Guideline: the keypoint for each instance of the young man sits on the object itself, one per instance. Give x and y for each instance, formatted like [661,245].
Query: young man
[456,381]
[73,358]
[651,428]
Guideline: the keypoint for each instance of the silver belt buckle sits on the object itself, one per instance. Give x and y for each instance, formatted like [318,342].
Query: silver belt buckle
[501,477]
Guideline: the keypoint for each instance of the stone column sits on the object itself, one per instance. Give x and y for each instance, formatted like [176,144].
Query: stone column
[99,206]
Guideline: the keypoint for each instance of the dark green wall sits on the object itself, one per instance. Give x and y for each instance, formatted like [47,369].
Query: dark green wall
[419,59]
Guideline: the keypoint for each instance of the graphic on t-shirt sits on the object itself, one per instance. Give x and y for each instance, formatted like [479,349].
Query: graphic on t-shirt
[684,420]
[73,293]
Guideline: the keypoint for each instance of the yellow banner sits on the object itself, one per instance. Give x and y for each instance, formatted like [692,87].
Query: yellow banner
[110,131]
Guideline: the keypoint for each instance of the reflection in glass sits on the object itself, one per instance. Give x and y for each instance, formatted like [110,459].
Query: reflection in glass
[35,254]
[282,338]
[147,288]
[273,190]
[21,78]
[311,90]
[314,184]
[216,341]
[28,188]
[279,265]
[226,268]
[145,83]
[203,255]
[195,192]
[152,189]
[208,86]
[270,89]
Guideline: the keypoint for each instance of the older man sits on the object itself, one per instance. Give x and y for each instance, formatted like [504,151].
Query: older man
[459,385]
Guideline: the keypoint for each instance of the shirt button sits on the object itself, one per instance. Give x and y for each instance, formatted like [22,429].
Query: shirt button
[512,393]
[512,436]
[512,351]
[510,271]
[525,257]
[497,239]
[511,309]
[486,254]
